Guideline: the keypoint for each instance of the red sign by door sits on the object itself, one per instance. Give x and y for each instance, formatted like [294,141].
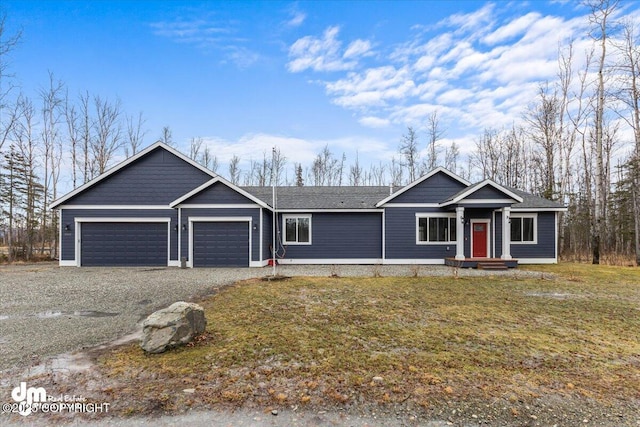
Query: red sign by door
[479,240]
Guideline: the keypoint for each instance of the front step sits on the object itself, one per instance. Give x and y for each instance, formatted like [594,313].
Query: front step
[492,265]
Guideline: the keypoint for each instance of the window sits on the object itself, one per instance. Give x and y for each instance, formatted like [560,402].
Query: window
[523,228]
[436,229]
[297,229]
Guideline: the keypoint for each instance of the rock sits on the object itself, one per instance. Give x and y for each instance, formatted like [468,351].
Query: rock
[173,326]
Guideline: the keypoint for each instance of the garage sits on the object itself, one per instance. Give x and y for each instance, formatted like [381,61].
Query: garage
[221,244]
[130,244]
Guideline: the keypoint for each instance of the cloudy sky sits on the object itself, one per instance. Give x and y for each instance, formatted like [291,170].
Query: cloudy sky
[247,76]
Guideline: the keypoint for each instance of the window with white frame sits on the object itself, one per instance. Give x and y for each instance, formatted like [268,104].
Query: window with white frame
[524,228]
[297,229]
[436,228]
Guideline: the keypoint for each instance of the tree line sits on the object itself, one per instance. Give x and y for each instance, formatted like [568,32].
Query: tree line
[572,146]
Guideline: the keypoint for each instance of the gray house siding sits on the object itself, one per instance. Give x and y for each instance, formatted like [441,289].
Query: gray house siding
[400,236]
[487,192]
[218,193]
[155,179]
[434,189]
[254,213]
[267,234]
[68,216]
[337,235]
[546,246]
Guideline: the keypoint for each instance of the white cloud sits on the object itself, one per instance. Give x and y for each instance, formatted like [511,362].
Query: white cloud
[512,29]
[374,122]
[358,48]
[318,54]
[297,19]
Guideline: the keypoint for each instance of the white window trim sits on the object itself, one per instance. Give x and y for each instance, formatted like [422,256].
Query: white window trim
[535,227]
[433,215]
[284,229]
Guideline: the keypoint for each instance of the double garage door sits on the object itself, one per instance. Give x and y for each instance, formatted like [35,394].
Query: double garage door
[146,244]
[124,244]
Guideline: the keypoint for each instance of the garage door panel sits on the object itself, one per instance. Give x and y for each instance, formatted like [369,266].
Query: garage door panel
[220,244]
[124,244]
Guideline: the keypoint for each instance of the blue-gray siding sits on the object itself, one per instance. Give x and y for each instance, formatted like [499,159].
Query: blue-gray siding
[156,179]
[434,189]
[218,193]
[337,235]
[254,213]
[67,243]
[400,236]
[267,234]
[546,246]
[487,192]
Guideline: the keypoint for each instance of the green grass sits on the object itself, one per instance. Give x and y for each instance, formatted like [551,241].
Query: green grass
[572,331]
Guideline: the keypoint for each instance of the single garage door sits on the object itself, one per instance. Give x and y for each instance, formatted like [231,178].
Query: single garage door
[220,244]
[123,244]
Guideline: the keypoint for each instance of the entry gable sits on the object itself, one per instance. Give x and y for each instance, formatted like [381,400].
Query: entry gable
[430,188]
[486,191]
[154,176]
[218,191]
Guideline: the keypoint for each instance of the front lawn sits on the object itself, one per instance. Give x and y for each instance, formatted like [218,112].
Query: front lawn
[570,332]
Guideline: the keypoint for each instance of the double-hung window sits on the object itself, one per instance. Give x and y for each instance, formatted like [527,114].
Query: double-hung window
[524,228]
[436,228]
[297,229]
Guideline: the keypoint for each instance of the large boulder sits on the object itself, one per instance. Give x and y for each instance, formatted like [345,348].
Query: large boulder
[173,326]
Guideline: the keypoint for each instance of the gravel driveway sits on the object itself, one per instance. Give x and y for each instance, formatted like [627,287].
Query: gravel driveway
[46,310]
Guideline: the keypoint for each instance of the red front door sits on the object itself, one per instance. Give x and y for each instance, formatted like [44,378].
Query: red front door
[479,240]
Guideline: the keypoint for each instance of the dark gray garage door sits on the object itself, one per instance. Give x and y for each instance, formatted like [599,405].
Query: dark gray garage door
[220,244]
[123,244]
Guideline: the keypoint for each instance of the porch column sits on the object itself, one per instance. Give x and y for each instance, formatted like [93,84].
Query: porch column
[506,233]
[460,233]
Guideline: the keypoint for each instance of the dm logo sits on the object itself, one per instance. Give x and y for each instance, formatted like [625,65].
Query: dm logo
[26,397]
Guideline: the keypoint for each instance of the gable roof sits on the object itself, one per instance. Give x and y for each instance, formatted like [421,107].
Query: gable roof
[212,182]
[463,194]
[310,198]
[423,178]
[124,164]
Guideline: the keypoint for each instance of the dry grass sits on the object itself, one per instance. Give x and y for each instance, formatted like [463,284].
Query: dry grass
[388,340]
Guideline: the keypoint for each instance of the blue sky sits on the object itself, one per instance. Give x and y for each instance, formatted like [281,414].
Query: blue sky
[246,76]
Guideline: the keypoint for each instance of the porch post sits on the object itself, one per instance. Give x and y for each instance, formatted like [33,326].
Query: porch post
[506,233]
[460,233]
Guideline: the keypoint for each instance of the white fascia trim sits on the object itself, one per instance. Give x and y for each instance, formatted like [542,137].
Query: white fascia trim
[563,209]
[484,201]
[116,207]
[329,210]
[126,162]
[129,219]
[225,183]
[537,260]
[477,187]
[412,205]
[68,263]
[421,179]
[411,261]
[329,261]
[218,206]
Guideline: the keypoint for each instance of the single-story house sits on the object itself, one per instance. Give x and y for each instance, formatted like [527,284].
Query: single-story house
[160,208]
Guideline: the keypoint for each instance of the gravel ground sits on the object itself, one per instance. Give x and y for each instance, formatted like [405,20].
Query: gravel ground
[46,310]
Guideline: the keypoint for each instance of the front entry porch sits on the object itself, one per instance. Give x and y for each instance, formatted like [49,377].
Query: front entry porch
[482,263]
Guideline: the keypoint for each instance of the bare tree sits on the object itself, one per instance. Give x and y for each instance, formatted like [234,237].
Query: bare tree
[410,153]
[234,170]
[195,145]
[356,173]
[8,43]
[601,11]
[86,136]
[108,132]
[166,136]
[135,134]
[435,134]
[451,157]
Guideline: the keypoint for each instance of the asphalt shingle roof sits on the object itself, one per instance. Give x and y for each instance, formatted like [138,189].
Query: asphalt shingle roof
[322,197]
